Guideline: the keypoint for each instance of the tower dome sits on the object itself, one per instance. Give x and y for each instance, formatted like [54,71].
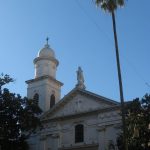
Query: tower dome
[45,63]
[46,52]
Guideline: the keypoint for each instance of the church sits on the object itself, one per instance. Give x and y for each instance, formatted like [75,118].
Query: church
[81,120]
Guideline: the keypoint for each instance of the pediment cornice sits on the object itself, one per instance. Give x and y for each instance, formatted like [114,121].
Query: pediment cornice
[80,114]
[72,94]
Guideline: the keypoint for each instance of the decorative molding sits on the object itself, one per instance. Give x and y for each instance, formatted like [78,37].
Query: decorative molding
[44,77]
[42,137]
[77,114]
[101,128]
[46,58]
[55,135]
[84,145]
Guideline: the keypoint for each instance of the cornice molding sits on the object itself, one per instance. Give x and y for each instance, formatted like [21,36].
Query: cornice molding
[46,58]
[44,77]
[80,114]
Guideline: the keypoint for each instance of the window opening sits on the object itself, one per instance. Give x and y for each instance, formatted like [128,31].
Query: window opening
[79,133]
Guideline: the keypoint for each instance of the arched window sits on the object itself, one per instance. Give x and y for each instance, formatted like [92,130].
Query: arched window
[79,133]
[36,98]
[52,100]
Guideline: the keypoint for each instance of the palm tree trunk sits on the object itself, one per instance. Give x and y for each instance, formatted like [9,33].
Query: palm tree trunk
[120,81]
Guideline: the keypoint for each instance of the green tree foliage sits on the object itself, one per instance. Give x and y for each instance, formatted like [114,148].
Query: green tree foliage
[138,124]
[19,117]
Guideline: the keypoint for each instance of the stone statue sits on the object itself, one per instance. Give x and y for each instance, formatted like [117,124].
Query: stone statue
[80,79]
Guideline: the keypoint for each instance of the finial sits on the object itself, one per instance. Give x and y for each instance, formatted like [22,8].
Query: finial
[47,45]
[80,79]
[47,39]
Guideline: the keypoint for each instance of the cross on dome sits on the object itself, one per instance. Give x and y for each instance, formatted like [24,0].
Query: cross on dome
[47,44]
[47,39]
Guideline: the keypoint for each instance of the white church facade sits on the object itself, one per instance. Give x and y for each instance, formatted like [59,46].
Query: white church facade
[81,120]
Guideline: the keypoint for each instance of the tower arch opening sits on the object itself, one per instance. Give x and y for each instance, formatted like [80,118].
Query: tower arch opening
[36,98]
[52,100]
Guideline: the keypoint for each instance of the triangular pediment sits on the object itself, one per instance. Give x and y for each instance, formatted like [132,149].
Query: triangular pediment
[79,101]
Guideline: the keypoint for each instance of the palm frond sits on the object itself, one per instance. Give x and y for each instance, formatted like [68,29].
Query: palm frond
[109,5]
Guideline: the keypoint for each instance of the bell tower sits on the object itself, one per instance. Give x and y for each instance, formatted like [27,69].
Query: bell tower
[44,86]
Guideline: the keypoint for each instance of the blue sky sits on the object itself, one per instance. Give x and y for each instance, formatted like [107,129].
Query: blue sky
[81,35]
